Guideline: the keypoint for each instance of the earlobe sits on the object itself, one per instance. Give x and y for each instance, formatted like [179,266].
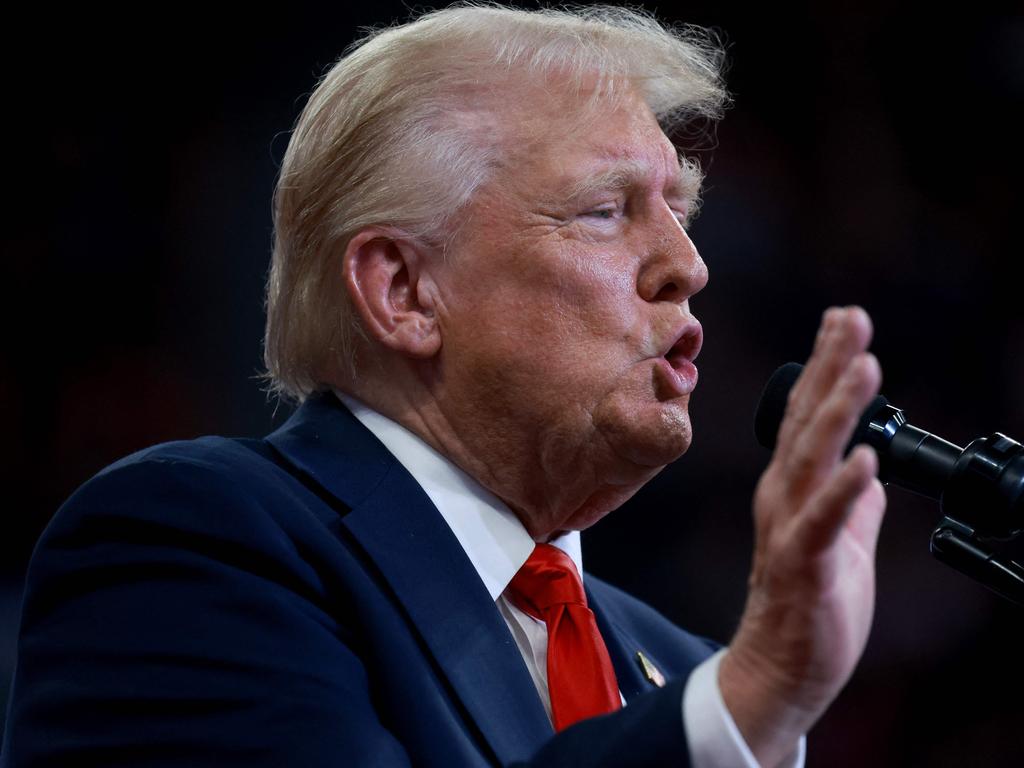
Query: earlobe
[388,282]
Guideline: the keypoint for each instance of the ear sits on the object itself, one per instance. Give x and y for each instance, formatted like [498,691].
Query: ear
[387,275]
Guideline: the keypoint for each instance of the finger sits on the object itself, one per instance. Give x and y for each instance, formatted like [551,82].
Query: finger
[837,499]
[795,414]
[850,335]
[820,446]
[865,520]
[844,333]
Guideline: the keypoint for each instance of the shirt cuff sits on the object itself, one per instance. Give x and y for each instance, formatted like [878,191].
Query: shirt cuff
[714,740]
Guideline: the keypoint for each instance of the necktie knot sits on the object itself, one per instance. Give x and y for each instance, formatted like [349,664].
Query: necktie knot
[547,580]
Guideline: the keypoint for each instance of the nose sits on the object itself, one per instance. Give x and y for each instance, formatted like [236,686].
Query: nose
[674,271]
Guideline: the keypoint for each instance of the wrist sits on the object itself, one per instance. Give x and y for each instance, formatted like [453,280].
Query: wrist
[762,708]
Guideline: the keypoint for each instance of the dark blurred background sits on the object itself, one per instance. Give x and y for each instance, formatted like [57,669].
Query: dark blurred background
[873,156]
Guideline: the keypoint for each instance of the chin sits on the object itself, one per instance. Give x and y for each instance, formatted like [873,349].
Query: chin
[652,442]
[658,454]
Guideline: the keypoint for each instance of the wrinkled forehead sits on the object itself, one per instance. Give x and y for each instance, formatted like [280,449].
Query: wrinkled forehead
[535,112]
[561,133]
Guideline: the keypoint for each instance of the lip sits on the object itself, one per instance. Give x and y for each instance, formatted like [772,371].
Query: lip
[678,374]
[687,343]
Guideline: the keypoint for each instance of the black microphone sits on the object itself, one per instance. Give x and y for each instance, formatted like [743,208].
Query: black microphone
[982,486]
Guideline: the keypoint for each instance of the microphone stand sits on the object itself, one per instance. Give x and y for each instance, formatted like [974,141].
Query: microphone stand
[957,546]
[984,500]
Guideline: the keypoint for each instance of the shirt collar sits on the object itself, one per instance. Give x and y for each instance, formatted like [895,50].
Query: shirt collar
[494,539]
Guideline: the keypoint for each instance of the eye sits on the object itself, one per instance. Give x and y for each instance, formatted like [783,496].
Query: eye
[685,212]
[603,214]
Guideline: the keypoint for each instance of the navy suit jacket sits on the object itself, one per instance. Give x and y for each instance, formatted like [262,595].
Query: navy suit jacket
[298,601]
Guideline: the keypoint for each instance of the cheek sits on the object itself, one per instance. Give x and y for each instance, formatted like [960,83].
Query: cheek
[595,302]
[571,316]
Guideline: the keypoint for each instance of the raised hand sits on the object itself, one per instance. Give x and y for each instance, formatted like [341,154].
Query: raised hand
[817,517]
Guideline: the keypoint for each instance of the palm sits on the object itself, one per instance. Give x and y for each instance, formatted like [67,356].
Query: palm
[848,582]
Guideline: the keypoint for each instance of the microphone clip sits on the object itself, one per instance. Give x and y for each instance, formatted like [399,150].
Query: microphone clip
[956,545]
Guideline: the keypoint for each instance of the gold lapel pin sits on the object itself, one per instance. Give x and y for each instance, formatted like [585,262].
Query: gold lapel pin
[650,671]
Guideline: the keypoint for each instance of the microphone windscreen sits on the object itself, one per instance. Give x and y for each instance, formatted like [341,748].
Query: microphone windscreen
[772,408]
[772,405]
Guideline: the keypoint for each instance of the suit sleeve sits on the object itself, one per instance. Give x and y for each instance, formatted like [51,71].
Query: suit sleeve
[168,621]
[649,732]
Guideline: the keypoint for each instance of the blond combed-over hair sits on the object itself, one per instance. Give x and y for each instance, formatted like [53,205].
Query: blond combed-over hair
[396,134]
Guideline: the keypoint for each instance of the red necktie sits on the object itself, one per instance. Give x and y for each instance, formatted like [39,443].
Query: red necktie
[581,681]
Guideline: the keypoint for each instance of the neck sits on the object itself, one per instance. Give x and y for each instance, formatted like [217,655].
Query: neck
[547,480]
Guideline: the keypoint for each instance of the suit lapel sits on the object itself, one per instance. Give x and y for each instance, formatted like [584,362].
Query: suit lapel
[622,648]
[425,567]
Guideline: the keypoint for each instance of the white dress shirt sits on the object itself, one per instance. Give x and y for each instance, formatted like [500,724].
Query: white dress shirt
[498,544]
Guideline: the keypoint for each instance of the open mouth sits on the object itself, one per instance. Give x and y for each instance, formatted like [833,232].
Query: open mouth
[679,375]
[687,346]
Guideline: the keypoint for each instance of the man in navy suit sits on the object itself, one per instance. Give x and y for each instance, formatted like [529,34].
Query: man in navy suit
[480,296]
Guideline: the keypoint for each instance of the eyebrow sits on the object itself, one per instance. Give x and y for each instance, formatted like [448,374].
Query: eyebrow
[686,182]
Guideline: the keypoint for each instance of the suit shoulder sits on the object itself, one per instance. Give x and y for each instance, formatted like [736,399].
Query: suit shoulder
[201,509]
[232,471]
[233,459]
[226,488]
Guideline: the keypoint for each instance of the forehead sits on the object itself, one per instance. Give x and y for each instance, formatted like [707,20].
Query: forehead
[565,140]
